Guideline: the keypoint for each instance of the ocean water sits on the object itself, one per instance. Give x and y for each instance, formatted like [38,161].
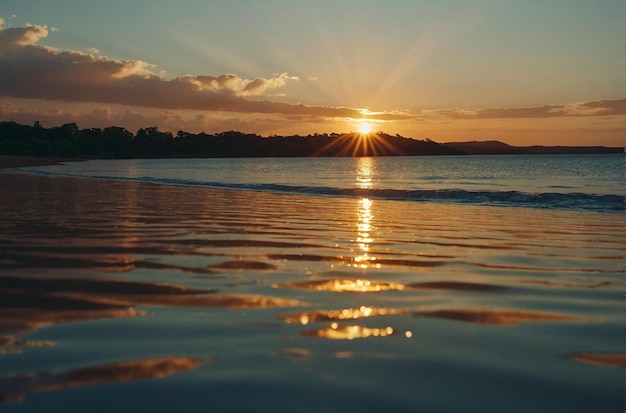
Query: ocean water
[435,284]
[583,182]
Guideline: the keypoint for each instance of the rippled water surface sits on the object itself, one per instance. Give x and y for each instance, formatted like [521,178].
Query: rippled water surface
[118,295]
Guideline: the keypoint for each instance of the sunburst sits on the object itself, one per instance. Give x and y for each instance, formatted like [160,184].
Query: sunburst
[365,128]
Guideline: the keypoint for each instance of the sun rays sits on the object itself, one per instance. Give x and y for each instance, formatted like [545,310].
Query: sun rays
[358,144]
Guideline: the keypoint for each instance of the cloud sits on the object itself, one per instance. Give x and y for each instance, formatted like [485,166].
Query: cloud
[94,115]
[31,71]
[13,38]
[231,84]
[545,111]
[595,108]
[606,107]
[567,130]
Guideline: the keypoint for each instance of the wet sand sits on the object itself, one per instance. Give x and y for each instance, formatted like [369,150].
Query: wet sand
[292,297]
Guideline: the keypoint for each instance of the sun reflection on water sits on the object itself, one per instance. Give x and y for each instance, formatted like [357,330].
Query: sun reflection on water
[342,314]
[343,285]
[365,172]
[337,332]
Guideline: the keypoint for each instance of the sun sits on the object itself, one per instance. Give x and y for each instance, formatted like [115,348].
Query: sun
[365,128]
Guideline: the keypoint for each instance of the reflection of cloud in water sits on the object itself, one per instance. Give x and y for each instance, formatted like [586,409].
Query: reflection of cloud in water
[15,388]
[30,303]
[28,319]
[343,285]
[28,285]
[496,317]
[604,360]
[337,332]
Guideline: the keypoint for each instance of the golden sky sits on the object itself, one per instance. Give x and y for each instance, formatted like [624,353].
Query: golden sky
[523,72]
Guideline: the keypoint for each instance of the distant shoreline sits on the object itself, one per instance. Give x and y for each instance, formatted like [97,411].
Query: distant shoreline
[70,142]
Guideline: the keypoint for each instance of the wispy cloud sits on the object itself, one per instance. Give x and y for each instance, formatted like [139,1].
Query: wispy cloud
[32,71]
[606,107]
[498,113]
[102,116]
[595,108]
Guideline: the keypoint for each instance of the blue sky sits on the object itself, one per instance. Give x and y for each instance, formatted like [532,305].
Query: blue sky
[439,69]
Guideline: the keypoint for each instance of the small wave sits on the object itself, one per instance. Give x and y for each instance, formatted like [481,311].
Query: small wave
[552,200]
[574,201]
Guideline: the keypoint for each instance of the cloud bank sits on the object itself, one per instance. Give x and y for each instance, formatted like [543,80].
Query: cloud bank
[32,71]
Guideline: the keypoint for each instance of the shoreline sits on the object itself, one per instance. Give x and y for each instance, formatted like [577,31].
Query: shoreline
[12,161]
[18,161]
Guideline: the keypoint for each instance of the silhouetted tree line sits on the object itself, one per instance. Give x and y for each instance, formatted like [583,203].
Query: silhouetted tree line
[68,141]
[116,142]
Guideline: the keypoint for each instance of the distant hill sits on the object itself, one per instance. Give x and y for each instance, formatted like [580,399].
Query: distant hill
[500,148]
[483,148]
[69,141]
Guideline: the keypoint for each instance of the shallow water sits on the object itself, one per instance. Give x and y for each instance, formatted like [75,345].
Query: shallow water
[126,295]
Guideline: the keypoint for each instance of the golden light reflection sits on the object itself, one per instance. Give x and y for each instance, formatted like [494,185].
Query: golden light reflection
[305,318]
[364,175]
[364,239]
[337,332]
[343,285]
[365,171]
